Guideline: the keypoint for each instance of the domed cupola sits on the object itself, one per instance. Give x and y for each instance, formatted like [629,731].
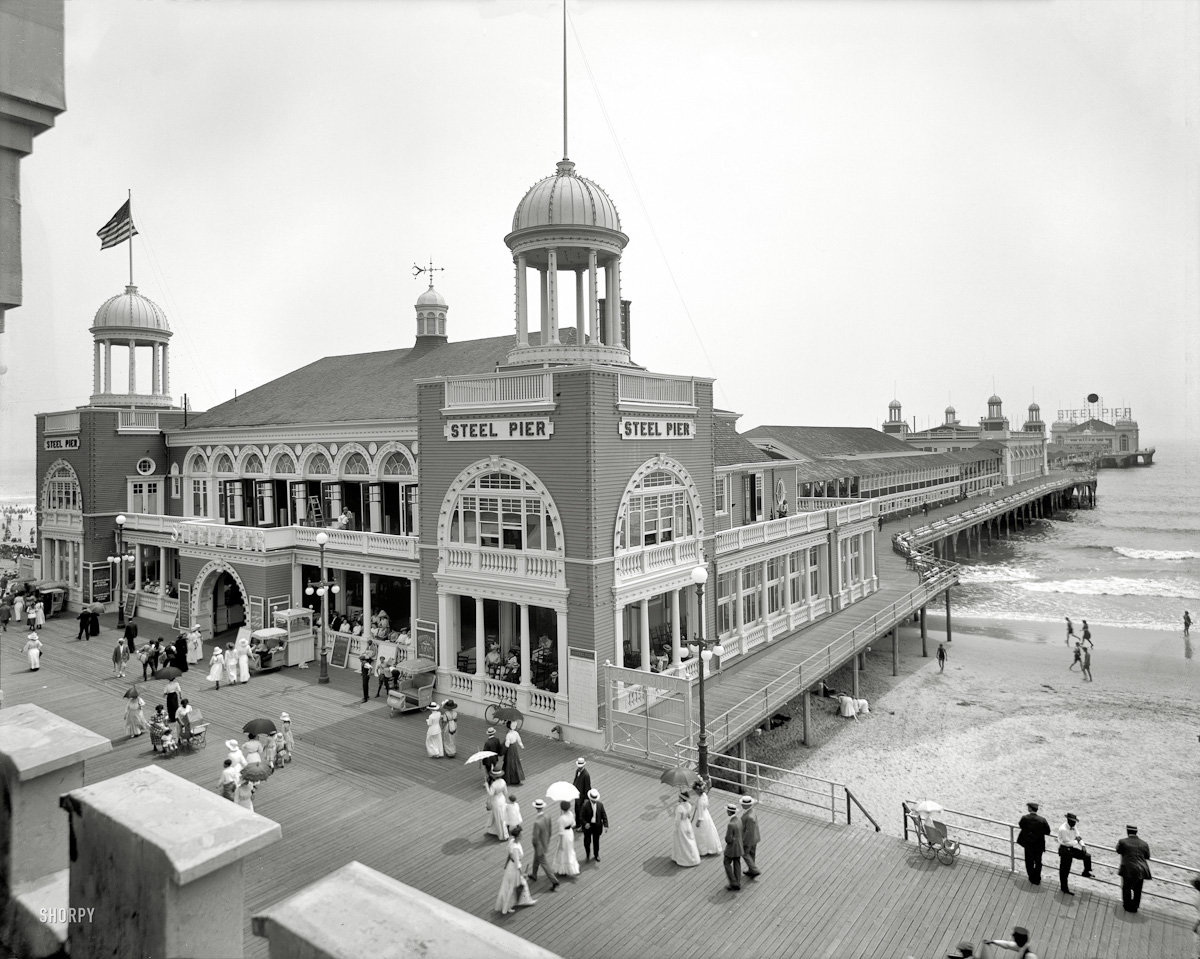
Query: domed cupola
[995,421]
[431,310]
[895,422]
[1033,423]
[951,416]
[131,321]
[568,224]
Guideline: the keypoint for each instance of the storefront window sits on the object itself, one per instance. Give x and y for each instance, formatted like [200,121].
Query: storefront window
[751,581]
[510,522]
[776,573]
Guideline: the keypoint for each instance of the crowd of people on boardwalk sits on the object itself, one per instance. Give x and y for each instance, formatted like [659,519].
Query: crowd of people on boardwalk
[247,765]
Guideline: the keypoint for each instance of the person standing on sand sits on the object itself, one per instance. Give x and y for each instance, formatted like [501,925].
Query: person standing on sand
[1187,622]
[1070,630]
[941,657]
[1078,655]
[1032,838]
[1086,667]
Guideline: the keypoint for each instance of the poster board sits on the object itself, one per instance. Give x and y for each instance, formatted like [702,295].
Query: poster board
[183,616]
[101,585]
[256,613]
[131,601]
[426,640]
[341,650]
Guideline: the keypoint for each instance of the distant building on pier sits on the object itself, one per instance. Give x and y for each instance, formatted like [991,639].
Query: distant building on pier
[1107,436]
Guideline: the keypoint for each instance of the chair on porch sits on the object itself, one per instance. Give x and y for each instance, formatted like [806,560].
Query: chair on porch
[633,657]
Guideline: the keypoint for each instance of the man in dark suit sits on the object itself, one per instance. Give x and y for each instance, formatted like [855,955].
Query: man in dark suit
[582,782]
[541,845]
[733,849]
[594,821]
[85,617]
[1032,838]
[491,744]
[131,636]
[750,836]
[1135,868]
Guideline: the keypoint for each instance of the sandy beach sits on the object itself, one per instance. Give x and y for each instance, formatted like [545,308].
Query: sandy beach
[1008,722]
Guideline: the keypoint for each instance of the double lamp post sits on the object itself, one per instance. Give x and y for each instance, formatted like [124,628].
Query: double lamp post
[120,561]
[323,587]
[707,649]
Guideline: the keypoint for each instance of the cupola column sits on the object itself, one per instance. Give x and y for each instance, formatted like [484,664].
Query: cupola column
[544,318]
[108,366]
[593,301]
[154,368]
[580,326]
[552,292]
[617,337]
[96,370]
[166,372]
[132,366]
[522,304]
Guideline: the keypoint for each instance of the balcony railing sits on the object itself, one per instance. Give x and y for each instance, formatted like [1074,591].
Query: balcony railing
[61,519]
[161,523]
[652,559]
[480,689]
[757,534]
[61,423]
[501,390]
[543,568]
[137,421]
[270,538]
[657,390]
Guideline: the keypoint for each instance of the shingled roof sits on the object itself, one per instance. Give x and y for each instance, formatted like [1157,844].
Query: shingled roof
[823,442]
[730,448]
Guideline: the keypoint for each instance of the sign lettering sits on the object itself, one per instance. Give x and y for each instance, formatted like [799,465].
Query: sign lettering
[636,428]
[62,443]
[517,428]
[1108,414]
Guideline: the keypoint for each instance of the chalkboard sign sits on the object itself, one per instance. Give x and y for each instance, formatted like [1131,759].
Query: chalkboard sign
[131,599]
[183,615]
[256,613]
[426,639]
[341,651]
[101,586]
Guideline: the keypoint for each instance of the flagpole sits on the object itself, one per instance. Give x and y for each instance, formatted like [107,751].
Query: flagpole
[131,238]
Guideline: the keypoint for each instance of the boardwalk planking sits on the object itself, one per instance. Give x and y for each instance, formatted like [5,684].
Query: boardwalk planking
[361,788]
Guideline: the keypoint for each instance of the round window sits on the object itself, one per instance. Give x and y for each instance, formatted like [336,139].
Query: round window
[145,466]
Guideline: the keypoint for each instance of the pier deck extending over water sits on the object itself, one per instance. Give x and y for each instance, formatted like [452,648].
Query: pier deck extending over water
[362,789]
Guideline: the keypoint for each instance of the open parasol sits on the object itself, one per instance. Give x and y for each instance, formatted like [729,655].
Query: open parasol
[509,714]
[928,807]
[681,777]
[256,727]
[168,673]
[96,608]
[256,773]
[131,693]
[482,754]
[562,791]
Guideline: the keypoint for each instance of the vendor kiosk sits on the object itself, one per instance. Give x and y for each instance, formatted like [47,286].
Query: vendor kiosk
[297,623]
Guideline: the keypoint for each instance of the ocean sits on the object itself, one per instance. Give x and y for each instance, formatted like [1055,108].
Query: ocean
[1133,561]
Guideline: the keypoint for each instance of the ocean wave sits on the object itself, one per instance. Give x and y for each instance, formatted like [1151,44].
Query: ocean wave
[1002,614]
[1115,586]
[1000,573]
[1169,554]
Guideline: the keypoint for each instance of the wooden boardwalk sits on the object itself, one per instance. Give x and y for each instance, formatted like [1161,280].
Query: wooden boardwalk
[362,789]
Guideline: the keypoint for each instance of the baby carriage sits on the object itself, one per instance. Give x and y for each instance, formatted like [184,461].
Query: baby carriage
[932,838]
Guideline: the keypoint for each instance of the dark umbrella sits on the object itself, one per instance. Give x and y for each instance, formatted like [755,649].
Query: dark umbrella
[131,693]
[168,672]
[256,773]
[680,777]
[257,727]
[508,714]
[96,608]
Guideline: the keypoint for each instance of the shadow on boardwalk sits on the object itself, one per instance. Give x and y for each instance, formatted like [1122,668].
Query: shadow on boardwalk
[362,789]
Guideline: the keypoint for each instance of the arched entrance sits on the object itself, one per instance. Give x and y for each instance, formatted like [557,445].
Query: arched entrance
[221,600]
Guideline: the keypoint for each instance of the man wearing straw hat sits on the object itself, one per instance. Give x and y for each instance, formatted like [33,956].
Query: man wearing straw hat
[750,836]
[583,783]
[541,846]
[594,821]
[733,849]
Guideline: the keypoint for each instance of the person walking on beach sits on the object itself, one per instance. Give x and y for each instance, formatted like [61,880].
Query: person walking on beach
[1032,838]
[1135,868]
[1070,846]
[541,845]
[733,849]
[750,837]
[1070,630]
[1019,943]
[1187,622]
[1078,655]
[941,657]
[1086,667]
[1087,634]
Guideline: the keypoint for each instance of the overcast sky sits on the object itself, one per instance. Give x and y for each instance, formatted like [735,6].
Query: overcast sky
[829,204]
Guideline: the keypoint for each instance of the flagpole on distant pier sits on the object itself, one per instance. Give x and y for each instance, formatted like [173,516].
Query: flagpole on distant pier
[131,238]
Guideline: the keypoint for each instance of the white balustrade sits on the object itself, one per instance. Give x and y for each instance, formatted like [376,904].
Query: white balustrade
[61,422]
[501,390]
[756,534]
[543,702]
[61,519]
[656,390]
[496,562]
[495,691]
[137,421]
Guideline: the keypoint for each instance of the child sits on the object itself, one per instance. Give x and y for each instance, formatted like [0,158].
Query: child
[289,744]
[229,781]
[279,751]
[169,743]
[512,813]
[120,657]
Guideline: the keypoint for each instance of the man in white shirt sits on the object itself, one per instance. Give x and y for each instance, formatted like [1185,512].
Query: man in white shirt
[1070,846]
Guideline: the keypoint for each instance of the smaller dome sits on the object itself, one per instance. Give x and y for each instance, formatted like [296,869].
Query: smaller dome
[1034,408]
[994,399]
[131,309]
[950,411]
[431,297]
[894,405]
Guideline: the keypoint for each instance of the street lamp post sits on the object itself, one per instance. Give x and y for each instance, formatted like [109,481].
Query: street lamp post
[119,561]
[323,587]
[707,649]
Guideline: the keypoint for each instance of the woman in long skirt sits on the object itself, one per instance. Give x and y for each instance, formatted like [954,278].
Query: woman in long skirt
[514,772]
[683,840]
[181,660]
[243,659]
[236,756]
[231,664]
[135,719]
[216,667]
[172,691]
[433,732]
[497,805]
[449,727]
[566,863]
[33,650]
[514,887]
[40,614]
[19,610]
[244,795]
[708,840]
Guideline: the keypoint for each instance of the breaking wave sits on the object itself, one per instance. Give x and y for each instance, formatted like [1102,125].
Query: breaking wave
[1114,586]
[1165,554]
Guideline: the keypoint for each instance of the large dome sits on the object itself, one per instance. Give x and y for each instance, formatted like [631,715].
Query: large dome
[131,310]
[566,199]
[431,297]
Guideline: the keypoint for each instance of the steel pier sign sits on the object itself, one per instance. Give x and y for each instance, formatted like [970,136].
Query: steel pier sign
[639,428]
[504,428]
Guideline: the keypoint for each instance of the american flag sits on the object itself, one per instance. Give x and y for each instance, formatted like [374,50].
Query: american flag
[119,229]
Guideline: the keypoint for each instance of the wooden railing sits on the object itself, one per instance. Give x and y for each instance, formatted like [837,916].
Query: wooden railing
[656,390]
[543,567]
[61,422]
[772,530]
[653,559]
[500,390]
[137,421]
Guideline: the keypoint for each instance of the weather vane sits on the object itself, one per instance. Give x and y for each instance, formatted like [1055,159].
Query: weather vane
[431,269]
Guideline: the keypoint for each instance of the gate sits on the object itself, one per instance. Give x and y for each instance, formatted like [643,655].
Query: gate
[648,715]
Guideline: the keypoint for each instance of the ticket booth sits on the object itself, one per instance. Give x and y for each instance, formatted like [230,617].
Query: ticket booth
[297,624]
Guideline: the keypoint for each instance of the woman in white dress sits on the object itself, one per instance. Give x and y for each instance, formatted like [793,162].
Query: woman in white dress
[433,732]
[135,719]
[231,664]
[566,862]
[243,658]
[514,887]
[497,806]
[708,840]
[244,795]
[683,840]
[18,610]
[33,649]
[40,614]
[236,755]
[216,667]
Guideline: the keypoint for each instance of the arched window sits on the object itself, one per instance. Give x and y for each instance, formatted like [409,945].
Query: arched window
[62,490]
[254,463]
[319,465]
[285,464]
[659,511]
[197,464]
[356,465]
[224,463]
[1124,443]
[502,511]
[396,465]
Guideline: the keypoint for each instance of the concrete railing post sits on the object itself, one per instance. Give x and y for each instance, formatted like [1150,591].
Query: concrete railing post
[41,757]
[356,911]
[158,862]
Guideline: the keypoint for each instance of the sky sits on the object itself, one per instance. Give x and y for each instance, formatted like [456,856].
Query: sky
[829,205]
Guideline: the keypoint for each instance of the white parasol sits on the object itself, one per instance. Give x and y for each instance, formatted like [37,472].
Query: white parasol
[927,807]
[562,791]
